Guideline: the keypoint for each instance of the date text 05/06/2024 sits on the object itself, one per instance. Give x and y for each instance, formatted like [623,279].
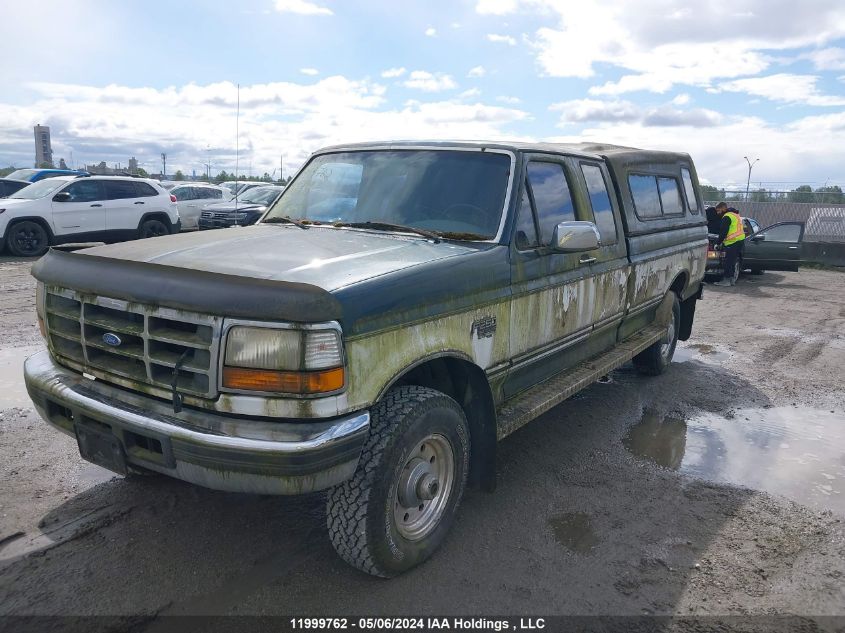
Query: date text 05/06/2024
[418,624]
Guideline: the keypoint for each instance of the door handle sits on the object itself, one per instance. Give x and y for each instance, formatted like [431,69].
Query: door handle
[792,248]
[140,202]
[585,259]
[96,205]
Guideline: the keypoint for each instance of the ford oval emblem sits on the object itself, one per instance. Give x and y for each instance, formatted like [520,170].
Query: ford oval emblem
[109,338]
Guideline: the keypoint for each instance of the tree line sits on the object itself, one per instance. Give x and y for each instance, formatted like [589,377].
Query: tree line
[804,193]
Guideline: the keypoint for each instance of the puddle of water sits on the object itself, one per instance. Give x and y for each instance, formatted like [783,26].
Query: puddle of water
[701,352]
[574,532]
[12,389]
[795,452]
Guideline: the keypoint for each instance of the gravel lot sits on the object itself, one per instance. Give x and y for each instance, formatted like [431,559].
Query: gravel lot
[612,503]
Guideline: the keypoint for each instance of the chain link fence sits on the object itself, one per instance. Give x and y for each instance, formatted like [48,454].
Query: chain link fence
[823,223]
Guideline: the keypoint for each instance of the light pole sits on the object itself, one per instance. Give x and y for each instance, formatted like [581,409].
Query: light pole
[748,182]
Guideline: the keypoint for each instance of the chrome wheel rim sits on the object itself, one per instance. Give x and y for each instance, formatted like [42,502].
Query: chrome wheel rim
[424,487]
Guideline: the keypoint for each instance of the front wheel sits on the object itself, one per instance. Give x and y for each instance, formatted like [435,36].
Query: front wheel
[654,360]
[398,507]
[152,228]
[28,239]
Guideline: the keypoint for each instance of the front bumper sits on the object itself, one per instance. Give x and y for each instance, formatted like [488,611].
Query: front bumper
[216,451]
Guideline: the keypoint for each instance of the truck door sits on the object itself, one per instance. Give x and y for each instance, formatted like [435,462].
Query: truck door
[552,310]
[610,268]
[777,247]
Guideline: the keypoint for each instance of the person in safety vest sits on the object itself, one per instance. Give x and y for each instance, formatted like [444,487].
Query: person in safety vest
[732,240]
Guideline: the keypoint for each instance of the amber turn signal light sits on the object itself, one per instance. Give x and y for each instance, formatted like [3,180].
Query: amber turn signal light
[301,382]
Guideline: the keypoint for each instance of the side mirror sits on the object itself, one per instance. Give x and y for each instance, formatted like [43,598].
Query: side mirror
[758,238]
[62,196]
[575,237]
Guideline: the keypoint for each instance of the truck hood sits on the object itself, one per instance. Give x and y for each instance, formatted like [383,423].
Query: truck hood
[328,258]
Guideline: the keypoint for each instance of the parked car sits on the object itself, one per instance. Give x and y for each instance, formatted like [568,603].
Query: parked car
[67,209]
[777,247]
[716,256]
[191,198]
[8,186]
[240,187]
[34,175]
[470,288]
[243,211]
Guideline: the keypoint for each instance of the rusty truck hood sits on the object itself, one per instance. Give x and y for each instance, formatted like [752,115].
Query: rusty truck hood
[329,258]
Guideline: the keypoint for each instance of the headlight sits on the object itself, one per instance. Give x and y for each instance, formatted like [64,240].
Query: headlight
[299,361]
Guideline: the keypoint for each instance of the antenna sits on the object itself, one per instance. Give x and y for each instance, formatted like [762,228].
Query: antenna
[237,146]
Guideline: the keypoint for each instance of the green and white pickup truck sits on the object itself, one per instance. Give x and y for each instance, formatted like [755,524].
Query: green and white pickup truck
[398,311]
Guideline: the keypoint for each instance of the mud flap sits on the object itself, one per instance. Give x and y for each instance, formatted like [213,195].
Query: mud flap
[688,315]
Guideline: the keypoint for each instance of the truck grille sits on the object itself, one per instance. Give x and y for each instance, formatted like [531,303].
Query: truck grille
[132,344]
[214,215]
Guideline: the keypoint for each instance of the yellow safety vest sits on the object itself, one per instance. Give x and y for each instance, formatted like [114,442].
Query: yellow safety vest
[736,232]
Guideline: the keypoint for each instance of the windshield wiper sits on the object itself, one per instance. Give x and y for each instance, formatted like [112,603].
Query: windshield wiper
[387,226]
[279,219]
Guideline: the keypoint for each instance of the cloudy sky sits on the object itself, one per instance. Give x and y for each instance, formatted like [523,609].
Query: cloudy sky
[721,79]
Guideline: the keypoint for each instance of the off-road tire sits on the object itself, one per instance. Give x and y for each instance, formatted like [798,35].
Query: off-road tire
[360,511]
[654,360]
[27,239]
[152,228]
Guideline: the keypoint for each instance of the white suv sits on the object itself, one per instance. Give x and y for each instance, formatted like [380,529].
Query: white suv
[85,209]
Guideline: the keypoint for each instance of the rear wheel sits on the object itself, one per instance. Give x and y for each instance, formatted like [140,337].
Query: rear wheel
[398,507]
[152,228]
[654,360]
[27,239]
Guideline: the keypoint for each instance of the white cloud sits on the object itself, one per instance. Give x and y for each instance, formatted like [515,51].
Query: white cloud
[467,94]
[501,39]
[681,99]
[828,58]
[393,72]
[595,111]
[478,71]
[784,87]
[309,71]
[431,32]
[429,82]
[805,148]
[508,100]
[302,7]
[658,44]
[580,110]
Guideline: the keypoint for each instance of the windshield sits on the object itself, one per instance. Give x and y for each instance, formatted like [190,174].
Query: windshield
[457,194]
[22,174]
[259,195]
[40,189]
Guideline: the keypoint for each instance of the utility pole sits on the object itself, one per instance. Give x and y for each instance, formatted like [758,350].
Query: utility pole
[282,168]
[748,182]
[163,166]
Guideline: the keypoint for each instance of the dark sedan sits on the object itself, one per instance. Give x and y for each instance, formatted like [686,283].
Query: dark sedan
[243,211]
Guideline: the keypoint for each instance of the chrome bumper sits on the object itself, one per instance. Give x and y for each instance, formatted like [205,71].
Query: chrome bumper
[212,450]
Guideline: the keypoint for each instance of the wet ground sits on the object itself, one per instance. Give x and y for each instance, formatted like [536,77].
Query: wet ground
[715,488]
[792,451]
